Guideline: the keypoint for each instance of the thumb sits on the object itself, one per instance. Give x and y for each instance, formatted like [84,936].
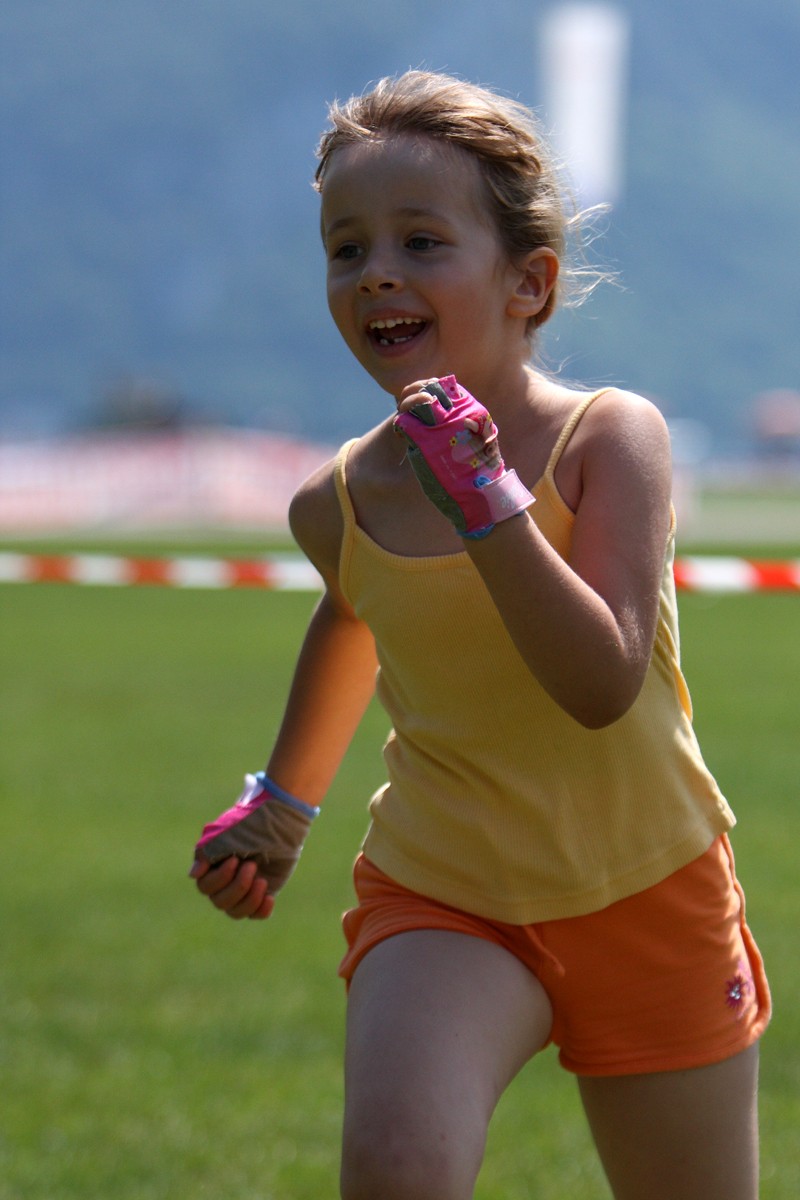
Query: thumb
[199,868]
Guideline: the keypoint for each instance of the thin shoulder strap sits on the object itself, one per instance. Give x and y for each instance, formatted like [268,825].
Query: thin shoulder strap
[340,480]
[569,428]
[348,512]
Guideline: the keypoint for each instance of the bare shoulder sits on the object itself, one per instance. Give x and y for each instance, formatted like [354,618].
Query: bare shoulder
[315,513]
[622,430]
[624,503]
[316,522]
[616,412]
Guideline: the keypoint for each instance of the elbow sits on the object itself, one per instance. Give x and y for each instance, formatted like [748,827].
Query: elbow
[611,691]
[604,708]
[600,718]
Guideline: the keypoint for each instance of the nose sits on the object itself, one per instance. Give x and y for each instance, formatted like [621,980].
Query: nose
[379,274]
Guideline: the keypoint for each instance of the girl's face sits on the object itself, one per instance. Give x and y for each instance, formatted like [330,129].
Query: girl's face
[418,282]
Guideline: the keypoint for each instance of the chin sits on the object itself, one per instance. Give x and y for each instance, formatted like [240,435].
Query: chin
[395,380]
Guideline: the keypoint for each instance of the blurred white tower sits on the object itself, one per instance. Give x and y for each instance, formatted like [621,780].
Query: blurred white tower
[584,66]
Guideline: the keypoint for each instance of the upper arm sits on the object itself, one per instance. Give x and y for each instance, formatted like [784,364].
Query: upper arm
[334,677]
[623,518]
[316,522]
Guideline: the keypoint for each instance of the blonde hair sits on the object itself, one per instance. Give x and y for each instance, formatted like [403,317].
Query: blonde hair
[526,197]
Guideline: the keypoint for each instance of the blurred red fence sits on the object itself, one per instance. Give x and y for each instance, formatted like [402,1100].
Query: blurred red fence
[202,478]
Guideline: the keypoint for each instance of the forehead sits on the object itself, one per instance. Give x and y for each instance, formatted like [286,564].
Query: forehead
[402,171]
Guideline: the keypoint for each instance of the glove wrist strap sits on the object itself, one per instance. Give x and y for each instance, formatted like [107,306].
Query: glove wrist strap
[505,497]
[308,810]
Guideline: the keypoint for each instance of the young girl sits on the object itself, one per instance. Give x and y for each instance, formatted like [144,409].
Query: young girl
[548,861]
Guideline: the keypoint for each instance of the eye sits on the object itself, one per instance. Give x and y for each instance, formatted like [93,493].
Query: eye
[346,252]
[421,241]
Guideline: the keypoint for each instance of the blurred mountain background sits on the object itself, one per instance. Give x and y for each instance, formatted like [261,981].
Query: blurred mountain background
[160,255]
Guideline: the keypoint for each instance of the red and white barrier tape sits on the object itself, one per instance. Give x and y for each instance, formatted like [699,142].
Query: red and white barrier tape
[720,574]
[277,573]
[290,573]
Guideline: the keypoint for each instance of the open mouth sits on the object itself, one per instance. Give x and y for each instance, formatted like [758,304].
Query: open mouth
[396,331]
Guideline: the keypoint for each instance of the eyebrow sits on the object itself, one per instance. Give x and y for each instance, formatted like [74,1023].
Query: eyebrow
[406,211]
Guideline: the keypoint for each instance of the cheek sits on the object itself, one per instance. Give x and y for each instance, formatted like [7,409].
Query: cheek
[336,305]
[343,318]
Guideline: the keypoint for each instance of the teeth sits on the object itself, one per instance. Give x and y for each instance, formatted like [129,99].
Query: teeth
[392,321]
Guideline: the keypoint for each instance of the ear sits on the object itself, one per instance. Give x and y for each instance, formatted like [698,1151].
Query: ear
[536,277]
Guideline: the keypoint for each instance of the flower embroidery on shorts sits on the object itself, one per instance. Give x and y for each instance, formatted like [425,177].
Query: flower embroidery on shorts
[738,989]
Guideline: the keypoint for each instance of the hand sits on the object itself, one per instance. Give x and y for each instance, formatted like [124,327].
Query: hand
[248,853]
[454,452]
[479,446]
[235,887]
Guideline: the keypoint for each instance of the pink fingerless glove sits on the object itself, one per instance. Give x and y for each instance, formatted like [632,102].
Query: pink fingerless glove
[441,450]
[265,824]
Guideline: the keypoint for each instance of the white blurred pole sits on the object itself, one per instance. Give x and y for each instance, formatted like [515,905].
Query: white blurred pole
[584,66]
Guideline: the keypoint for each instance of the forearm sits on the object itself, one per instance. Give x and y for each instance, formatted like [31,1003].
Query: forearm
[333,683]
[584,627]
[591,662]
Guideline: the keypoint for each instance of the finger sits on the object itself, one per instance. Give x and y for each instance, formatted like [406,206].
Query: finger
[217,876]
[252,902]
[491,448]
[424,412]
[415,388]
[413,399]
[265,910]
[199,868]
[229,898]
[435,389]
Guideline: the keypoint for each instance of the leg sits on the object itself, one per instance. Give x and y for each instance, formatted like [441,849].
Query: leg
[680,1135]
[438,1024]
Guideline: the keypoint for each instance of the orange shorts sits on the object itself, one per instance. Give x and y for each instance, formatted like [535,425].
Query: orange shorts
[665,980]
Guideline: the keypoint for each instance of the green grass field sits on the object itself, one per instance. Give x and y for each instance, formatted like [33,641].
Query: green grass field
[151,1049]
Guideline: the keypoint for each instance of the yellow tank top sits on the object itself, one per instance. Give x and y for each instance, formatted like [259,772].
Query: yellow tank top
[498,802]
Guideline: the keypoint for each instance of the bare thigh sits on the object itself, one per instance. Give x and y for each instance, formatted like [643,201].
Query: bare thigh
[681,1135]
[438,1024]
